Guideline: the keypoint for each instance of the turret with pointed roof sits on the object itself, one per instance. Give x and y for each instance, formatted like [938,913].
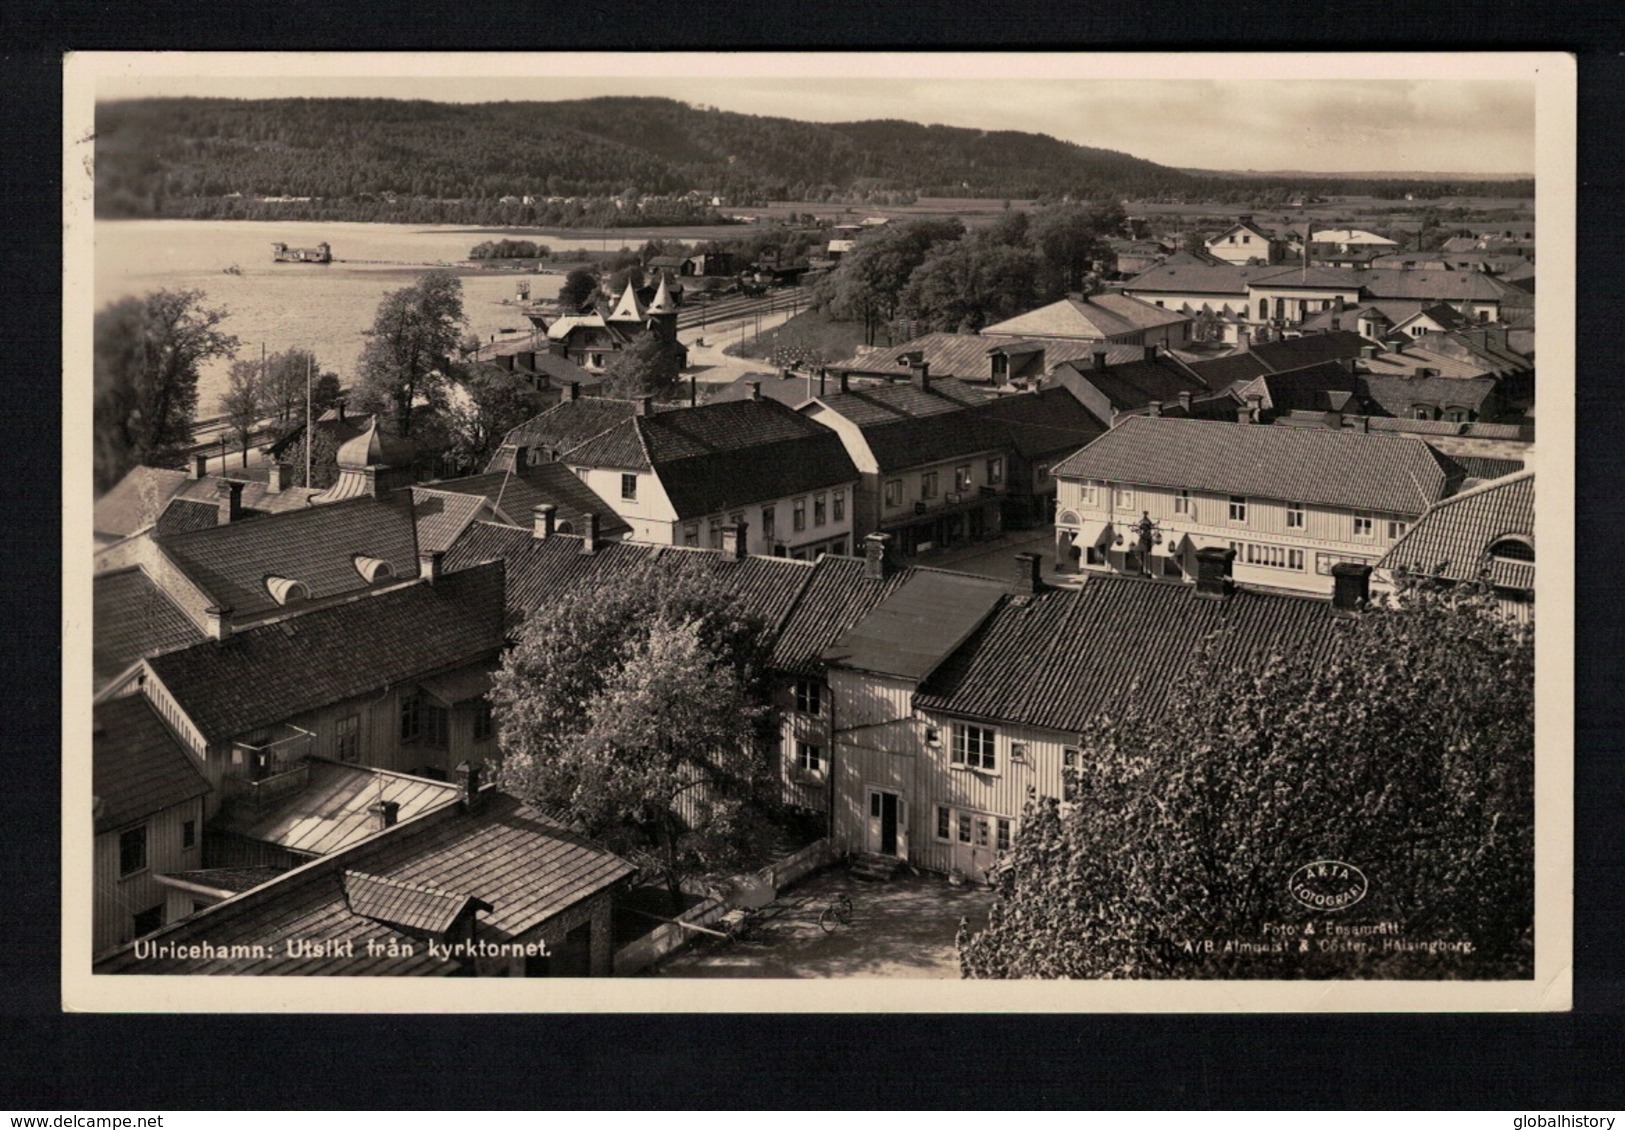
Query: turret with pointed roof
[629,308]
[373,462]
[662,312]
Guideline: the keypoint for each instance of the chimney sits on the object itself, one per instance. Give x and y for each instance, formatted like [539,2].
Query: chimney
[734,539]
[589,533]
[1337,306]
[845,379]
[1255,407]
[280,478]
[693,391]
[1351,586]
[572,390]
[646,406]
[755,389]
[1156,407]
[521,458]
[823,378]
[1244,339]
[218,622]
[543,518]
[1337,323]
[383,813]
[199,468]
[1368,352]
[920,374]
[429,566]
[876,567]
[339,406]
[1397,345]
[230,494]
[468,784]
[1213,571]
[1185,400]
[1027,578]
[1151,352]
[1100,360]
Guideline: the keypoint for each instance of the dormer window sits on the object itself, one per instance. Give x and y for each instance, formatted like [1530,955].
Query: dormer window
[373,569]
[285,590]
[1513,549]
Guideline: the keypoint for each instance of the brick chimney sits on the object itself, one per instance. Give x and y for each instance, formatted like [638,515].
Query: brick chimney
[230,495]
[876,565]
[734,539]
[846,379]
[1185,401]
[1028,578]
[544,518]
[338,406]
[1351,586]
[217,621]
[521,458]
[646,406]
[383,814]
[280,478]
[755,389]
[199,468]
[1100,360]
[1213,571]
[920,375]
[589,533]
[468,784]
[1155,407]
[429,565]
[572,390]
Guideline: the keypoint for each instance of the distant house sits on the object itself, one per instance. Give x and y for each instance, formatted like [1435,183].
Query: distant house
[1244,242]
[592,340]
[513,493]
[1484,533]
[1114,318]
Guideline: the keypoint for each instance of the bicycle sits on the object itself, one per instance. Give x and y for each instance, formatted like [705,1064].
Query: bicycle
[837,912]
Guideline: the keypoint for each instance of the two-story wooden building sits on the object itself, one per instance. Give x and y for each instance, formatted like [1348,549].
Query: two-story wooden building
[1145,497]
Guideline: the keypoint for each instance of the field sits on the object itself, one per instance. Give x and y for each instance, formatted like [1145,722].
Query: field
[825,340]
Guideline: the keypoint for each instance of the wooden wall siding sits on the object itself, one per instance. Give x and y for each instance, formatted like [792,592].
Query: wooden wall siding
[797,788]
[912,477]
[116,900]
[868,700]
[1265,516]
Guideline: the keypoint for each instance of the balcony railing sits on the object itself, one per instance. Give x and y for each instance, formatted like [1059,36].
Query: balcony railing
[266,768]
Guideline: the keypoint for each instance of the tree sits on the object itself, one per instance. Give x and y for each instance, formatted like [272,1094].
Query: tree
[284,389]
[966,284]
[484,405]
[409,346]
[243,403]
[146,357]
[324,459]
[325,393]
[580,285]
[1404,747]
[631,705]
[650,366]
[1070,238]
[867,285]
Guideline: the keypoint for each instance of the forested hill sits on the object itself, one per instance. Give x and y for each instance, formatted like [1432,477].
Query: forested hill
[192,157]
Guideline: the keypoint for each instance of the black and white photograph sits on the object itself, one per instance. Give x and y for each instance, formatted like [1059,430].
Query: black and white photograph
[818,532]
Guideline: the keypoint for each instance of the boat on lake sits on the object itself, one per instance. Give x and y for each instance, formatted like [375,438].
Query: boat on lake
[321,253]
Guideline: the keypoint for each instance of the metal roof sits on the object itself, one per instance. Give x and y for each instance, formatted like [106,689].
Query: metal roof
[138,765]
[919,625]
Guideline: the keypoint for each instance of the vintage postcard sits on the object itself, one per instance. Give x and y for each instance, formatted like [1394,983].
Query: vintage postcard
[925,532]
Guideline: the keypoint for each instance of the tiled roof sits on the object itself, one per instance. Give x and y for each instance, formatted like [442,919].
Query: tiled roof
[426,910]
[131,619]
[1136,384]
[1452,540]
[1485,467]
[514,496]
[707,484]
[505,854]
[1060,658]
[917,625]
[136,500]
[837,595]
[1184,274]
[1314,278]
[1310,349]
[685,433]
[1094,319]
[261,676]
[138,765]
[1431,286]
[317,546]
[794,390]
[330,812]
[911,442]
[1043,423]
[1221,371]
[570,423]
[1357,471]
[903,400]
[441,515]
[184,515]
[950,355]
[1398,395]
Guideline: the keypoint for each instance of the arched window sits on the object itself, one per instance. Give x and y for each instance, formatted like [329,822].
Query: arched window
[564,527]
[1263,309]
[1067,518]
[1513,548]
[373,570]
[285,590]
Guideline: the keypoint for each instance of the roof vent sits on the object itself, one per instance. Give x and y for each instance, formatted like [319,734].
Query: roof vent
[372,569]
[285,590]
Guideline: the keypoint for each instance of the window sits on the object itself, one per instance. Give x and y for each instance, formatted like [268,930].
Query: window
[1089,493]
[1294,515]
[980,824]
[995,470]
[485,724]
[347,738]
[809,696]
[1513,549]
[973,747]
[1094,555]
[132,851]
[713,533]
[820,509]
[1018,751]
[809,758]
[1069,774]
[1002,842]
[1421,412]
[1325,561]
[423,723]
[964,827]
[581,473]
[629,486]
[838,547]
[1182,504]
[691,536]
[928,485]
[1269,556]
[1396,529]
[148,920]
[1238,509]
[188,834]
[894,492]
[411,719]
[1123,498]
[838,509]
[767,523]
[944,823]
[962,479]
[798,515]
[1246,239]
[1363,525]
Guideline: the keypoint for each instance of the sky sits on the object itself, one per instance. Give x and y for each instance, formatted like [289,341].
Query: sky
[1315,113]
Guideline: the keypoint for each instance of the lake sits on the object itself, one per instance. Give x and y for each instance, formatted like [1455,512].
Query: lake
[325,308]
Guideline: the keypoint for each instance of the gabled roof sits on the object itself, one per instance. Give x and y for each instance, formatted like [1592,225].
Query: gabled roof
[1452,540]
[1060,658]
[1350,236]
[916,626]
[562,327]
[1432,286]
[415,909]
[838,593]
[1356,471]
[1135,384]
[138,765]
[1094,318]
[868,405]
[1300,277]
[136,500]
[1246,227]
[514,495]
[510,857]
[331,811]
[1186,274]
[440,516]
[183,515]
[316,546]
[911,442]
[144,496]
[1280,356]
[1397,395]
[132,619]
[569,424]
[949,355]
[1044,422]
[262,676]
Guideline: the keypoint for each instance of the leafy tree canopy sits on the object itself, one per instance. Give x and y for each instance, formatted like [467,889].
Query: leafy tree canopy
[409,347]
[650,366]
[485,404]
[1405,747]
[580,286]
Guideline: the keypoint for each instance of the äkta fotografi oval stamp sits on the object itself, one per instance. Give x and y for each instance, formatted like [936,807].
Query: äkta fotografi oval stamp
[1328,884]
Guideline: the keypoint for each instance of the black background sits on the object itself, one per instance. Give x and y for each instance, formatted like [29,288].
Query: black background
[53,1062]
